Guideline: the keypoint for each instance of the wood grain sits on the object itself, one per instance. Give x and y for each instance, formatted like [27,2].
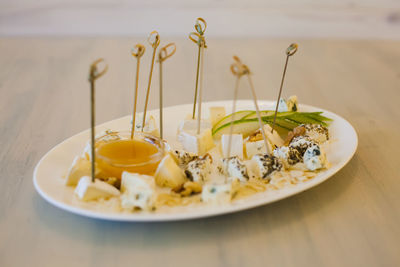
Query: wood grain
[350,220]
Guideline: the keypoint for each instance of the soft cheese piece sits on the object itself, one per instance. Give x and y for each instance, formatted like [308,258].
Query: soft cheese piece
[199,170]
[301,143]
[87,190]
[234,167]
[266,164]
[168,174]
[138,191]
[288,155]
[183,157]
[292,103]
[216,114]
[193,142]
[150,126]
[80,167]
[314,158]
[316,133]
[254,147]
[219,194]
[236,145]
[282,106]
[273,138]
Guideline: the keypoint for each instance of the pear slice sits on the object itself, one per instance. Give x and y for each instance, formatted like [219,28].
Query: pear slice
[227,119]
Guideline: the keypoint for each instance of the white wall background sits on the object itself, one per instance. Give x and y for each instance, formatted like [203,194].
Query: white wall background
[237,18]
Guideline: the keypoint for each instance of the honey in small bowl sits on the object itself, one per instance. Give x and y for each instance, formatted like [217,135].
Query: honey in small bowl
[118,153]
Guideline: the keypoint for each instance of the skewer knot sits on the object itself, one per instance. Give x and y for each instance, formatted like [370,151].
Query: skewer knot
[94,73]
[163,54]
[138,50]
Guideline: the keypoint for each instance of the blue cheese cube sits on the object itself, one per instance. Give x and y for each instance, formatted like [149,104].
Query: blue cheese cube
[266,165]
[199,170]
[288,155]
[234,167]
[87,190]
[236,145]
[138,191]
[219,194]
[301,143]
[314,158]
[183,157]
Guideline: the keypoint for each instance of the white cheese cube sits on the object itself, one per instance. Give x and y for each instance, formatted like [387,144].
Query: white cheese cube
[87,190]
[254,147]
[288,155]
[80,167]
[168,174]
[234,167]
[317,133]
[219,194]
[216,114]
[199,170]
[314,158]
[282,106]
[138,191]
[150,126]
[193,142]
[236,145]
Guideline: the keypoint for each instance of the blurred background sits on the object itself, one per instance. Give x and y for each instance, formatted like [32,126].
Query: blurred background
[252,18]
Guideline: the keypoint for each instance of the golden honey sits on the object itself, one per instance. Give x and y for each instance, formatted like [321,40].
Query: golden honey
[141,154]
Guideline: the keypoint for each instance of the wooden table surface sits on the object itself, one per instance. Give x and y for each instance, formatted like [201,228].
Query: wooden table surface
[351,219]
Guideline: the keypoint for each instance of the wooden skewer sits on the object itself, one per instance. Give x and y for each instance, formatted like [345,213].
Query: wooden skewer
[246,71]
[140,49]
[154,44]
[200,101]
[290,51]
[94,74]
[162,56]
[238,71]
[198,38]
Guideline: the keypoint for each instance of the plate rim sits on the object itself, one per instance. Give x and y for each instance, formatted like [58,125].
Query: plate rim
[202,213]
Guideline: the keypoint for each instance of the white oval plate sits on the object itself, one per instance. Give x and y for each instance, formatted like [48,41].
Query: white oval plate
[49,182]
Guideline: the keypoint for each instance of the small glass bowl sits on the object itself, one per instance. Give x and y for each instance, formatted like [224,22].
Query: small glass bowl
[113,166]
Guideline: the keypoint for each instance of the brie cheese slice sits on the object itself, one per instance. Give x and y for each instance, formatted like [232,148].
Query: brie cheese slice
[87,190]
[138,191]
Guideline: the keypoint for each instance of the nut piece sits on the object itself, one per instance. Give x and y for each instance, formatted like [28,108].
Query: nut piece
[191,188]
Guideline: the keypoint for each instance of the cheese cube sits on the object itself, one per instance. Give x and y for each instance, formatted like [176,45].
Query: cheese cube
[168,174]
[199,170]
[138,191]
[254,147]
[314,158]
[236,145]
[182,157]
[216,114]
[266,164]
[80,167]
[219,194]
[87,190]
[193,142]
[234,167]
[150,126]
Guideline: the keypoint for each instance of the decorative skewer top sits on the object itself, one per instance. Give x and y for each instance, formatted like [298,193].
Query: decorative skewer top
[238,68]
[94,73]
[164,54]
[198,36]
[154,39]
[138,50]
[292,49]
